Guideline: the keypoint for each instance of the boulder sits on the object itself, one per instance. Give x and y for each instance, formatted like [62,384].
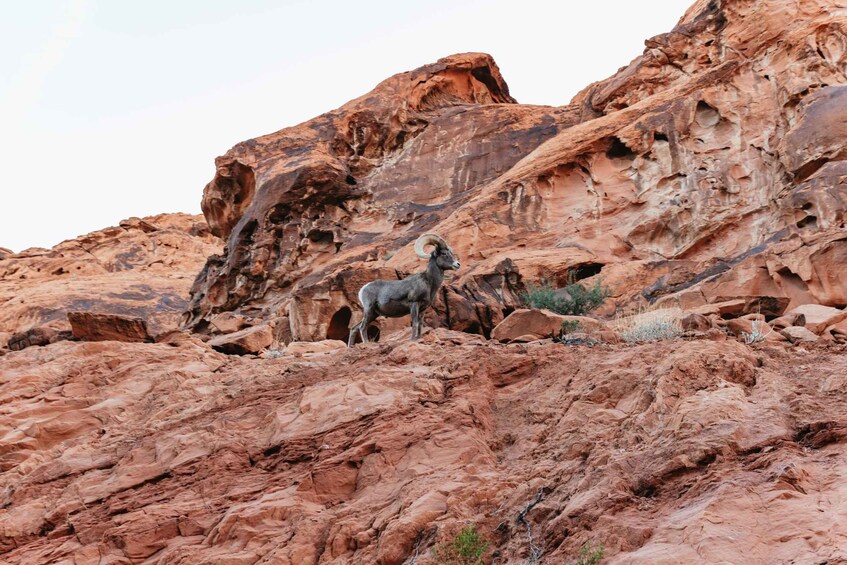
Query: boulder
[729,308]
[92,326]
[229,322]
[789,320]
[301,347]
[39,336]
[739,326]
[247,341]
[539,323]
[796,334]
[692,321]
[837,331]
[819,317]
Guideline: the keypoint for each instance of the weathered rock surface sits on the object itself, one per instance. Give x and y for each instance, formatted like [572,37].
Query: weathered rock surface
[323,346]
[668,452]
[797,334]
[710,170]
[709,174]
[93,326]
[39,336]
[143,268]
[539,324]
[243,342]
[817,317]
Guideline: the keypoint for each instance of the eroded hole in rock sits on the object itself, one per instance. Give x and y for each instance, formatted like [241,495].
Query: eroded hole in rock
[809,169]
[373,333]
[659,136]
[279,214]
[705,115]
[586,270]
[339,325]
[808,222]
[619,150]
[320,236]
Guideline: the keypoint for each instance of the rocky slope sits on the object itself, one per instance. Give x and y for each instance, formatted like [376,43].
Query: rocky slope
[143,267]
[709,174]
[173,453]
[711,168]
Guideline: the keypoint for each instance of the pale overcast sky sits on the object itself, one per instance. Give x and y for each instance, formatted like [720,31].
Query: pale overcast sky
[117,108]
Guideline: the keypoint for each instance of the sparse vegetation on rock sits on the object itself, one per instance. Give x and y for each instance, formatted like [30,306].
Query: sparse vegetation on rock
[572,300]
[653,325]
[466,548]
[590,554]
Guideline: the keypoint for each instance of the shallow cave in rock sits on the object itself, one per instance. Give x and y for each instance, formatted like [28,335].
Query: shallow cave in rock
[339,325]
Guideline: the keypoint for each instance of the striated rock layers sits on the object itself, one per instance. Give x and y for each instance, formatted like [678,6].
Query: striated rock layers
[712,168]
[676,452]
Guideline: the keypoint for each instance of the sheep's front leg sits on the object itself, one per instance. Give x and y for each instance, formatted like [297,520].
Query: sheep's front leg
[416,322]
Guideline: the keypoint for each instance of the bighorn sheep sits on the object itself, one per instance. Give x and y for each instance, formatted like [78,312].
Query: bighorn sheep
[412,295]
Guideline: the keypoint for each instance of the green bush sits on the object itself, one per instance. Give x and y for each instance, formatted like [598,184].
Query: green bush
[575,301]
[571,326]
[466,548]
[589,554]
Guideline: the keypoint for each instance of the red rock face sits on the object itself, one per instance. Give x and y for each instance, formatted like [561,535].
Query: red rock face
[664,453]
[710,169]
[142,268]
[708,174]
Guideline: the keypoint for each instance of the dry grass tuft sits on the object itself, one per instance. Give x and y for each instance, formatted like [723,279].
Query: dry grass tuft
[651,325]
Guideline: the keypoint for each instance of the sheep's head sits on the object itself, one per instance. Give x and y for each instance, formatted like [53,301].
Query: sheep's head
[443,255]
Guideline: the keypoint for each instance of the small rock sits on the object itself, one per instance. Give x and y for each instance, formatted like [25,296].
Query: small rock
[693,321]
[796,334]
[91,326]
[247,341]
[739,326]
[39,336]
[789,320]
[229,322]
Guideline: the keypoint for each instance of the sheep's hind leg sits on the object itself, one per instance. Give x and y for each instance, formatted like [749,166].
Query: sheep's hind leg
[351,340]
[416,321]
[370,316]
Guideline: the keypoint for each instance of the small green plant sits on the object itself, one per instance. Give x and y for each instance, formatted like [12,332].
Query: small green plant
[571,326]
[573,300]
[466,548]
[590,554]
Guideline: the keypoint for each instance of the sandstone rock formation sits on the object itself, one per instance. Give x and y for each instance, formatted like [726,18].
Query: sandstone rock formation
[696,452]
[249,340]
[708,174]
[91,326]
[711,169]
[142,268]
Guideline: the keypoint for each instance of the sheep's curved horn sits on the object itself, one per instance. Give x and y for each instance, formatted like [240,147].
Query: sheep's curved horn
[428,239]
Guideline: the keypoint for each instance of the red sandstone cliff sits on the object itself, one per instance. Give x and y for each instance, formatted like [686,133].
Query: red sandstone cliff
[710,171]
[711,168]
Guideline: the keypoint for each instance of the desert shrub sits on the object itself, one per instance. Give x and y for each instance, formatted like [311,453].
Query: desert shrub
[571,326]
[590,554]
[466,548]
[653,325]
[576,300]
[758,332]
